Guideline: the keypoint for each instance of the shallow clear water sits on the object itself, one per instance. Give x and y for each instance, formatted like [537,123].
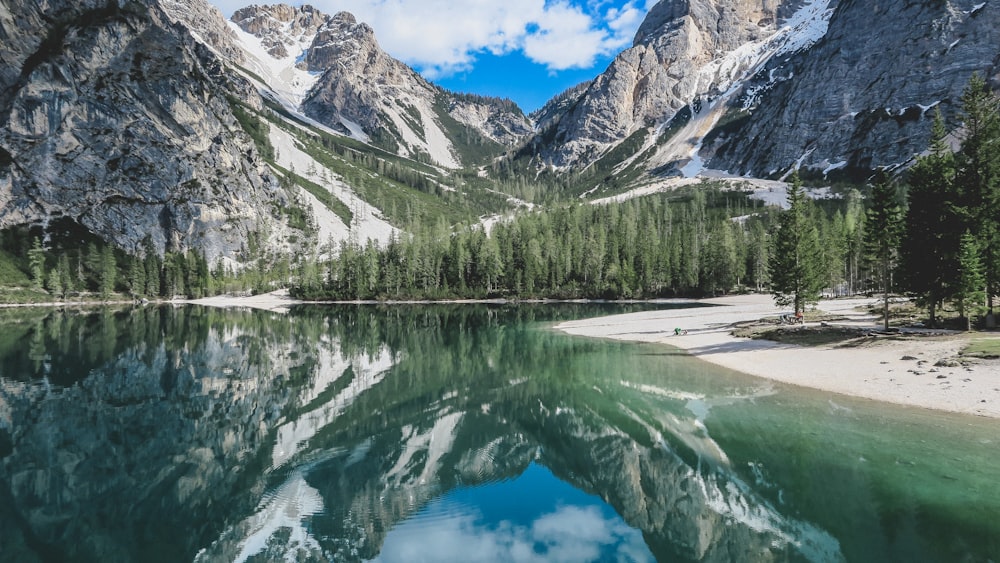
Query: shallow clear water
[454,433]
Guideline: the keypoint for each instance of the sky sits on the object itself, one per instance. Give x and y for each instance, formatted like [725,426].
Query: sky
[525,50]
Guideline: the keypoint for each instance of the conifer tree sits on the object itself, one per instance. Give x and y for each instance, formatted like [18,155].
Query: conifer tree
[36,264]
[53,283]
[978,175]
[883,226]
[108,272]
[65,276]
[933,224]
[970,281]
[796,265]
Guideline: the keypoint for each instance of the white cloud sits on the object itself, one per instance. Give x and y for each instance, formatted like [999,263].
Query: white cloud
[571,534]
[441,37]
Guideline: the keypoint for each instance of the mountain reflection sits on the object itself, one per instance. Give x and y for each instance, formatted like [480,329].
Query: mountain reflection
[354,433]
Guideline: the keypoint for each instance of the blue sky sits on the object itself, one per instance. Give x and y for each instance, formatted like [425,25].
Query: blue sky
[525,50]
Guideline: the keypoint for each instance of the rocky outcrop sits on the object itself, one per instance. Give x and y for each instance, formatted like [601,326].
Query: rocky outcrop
[282,29]
[364,86]
[862,97]
[681,53]
[499,120]
[365,92]
[208,25]
[757,88]
[115,117]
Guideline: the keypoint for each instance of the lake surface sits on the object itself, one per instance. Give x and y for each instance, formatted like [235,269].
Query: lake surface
[454,433]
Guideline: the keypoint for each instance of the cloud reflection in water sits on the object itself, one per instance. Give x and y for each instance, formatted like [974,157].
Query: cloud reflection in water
[450,532]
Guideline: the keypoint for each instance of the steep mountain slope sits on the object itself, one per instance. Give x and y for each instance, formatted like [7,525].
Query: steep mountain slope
[862,97]
[757,88]
[683,52]
[332,69]
[115,117]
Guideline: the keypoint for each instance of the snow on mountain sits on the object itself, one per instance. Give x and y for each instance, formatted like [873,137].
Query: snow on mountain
[368,222]
[281,75]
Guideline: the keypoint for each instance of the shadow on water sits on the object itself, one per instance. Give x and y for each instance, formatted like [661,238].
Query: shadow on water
[451,432]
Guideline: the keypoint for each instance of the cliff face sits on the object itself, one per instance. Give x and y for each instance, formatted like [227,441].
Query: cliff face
[756,88]
[862,97]
[114,116]
[207,24]
[683,51]
[351,85]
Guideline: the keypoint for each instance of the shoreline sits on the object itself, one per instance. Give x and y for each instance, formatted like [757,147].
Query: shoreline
[901,372]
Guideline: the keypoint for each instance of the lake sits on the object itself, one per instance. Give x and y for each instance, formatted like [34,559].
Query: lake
[454,433]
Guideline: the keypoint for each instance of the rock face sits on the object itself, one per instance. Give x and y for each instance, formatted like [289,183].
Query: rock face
[860,97]
[683,51]
[208,24]
[112,115]
[358,89]
[755,88]
[281,28]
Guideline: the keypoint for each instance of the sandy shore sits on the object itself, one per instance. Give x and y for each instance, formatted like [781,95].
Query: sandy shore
[895,371]
[278,301]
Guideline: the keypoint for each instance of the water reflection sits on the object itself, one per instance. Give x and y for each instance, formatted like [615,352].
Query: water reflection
[451,433]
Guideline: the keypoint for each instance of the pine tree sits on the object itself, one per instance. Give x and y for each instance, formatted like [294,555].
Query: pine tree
[36,264]
[969,294]
[53,283]
[883,226]
[796,265]
[108,272]
[930,241]
[65,276]
[978,175]
[136,276]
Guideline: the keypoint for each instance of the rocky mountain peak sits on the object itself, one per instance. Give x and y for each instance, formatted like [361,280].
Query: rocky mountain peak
[683,51]
[208,25]
[280,27]
[340,36]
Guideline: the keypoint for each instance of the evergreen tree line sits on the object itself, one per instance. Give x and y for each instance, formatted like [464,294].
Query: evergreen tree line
[941,246]
[103,270]
[100,270]
[950,242]
[706,242]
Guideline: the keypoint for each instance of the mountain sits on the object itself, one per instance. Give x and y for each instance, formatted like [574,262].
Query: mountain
[116,118]
[862,97]
[157,123]
[758,88]
[333,71]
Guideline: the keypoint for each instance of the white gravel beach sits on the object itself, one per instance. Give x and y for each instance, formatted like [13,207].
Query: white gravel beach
[895,371]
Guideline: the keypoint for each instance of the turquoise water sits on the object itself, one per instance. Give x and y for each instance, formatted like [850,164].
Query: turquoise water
[454,433]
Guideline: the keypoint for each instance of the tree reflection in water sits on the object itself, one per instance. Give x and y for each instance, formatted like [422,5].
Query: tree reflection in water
[360,432]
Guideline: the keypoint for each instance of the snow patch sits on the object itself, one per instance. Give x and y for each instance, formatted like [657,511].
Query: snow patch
[659,187]
[834,166]
[367,223]
[924,109]
[283,78]
[805,28]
